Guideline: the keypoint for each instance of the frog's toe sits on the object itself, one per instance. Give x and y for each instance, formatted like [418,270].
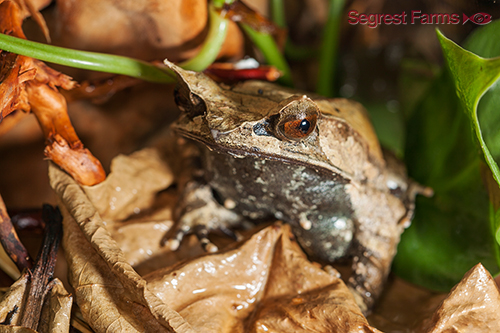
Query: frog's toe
[234,235]
[200,214]
[201,231]
[173,238]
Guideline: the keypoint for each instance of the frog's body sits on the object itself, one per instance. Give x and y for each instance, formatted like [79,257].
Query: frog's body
[289,193]
[314,163]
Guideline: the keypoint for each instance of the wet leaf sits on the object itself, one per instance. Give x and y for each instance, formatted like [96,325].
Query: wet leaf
[472,306]
[251,289]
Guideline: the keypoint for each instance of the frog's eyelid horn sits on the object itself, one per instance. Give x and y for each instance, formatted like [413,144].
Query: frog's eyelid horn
[187,98]
[189,103]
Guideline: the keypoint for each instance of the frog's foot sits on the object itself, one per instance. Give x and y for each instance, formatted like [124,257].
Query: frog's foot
[369,274]
[200,214]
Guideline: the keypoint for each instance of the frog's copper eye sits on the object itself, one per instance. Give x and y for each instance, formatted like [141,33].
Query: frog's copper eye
[298,127]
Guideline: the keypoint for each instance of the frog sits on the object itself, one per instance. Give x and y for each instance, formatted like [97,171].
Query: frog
[270,152]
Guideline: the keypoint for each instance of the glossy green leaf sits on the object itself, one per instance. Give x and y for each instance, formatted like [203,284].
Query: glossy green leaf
[489,116]
[473,76]
[452,231]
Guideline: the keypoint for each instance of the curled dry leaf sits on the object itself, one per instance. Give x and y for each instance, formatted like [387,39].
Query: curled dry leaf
[238,11]
[9,240]
[110,293]
[32,8]
[15,69]
[131,193]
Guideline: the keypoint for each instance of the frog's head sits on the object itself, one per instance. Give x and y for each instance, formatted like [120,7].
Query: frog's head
[271,122]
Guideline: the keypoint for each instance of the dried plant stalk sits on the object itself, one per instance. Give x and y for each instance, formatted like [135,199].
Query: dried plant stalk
[29,85]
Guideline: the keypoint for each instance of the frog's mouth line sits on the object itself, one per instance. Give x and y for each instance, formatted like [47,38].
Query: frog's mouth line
[238,153]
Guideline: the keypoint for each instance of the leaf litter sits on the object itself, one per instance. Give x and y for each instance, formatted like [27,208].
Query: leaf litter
[264,283]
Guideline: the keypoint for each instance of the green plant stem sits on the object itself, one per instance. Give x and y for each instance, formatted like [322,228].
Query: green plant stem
[266,44]
[292,51]
[220,3]
[211,46]
[86,60]
[329,48]
[278,13]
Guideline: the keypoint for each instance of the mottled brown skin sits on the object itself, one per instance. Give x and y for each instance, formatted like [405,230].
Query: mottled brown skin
[331,183]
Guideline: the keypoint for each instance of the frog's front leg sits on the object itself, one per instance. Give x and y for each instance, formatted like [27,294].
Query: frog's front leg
[381,218]
[199,213]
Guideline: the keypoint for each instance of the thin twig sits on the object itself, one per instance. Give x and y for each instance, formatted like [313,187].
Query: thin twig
[43,271]
[10,241]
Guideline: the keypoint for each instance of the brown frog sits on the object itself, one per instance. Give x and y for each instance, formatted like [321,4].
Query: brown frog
[315,163]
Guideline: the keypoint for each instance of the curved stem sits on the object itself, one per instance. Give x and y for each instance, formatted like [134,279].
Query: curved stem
[86,60]
[266,44]
[211,46]
[115,64]
[278,13]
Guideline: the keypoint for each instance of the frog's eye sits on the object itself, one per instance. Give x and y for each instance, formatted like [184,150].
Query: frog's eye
[295,119]
[298,127]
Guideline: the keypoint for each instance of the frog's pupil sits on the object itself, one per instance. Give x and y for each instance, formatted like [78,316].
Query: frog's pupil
[304,126]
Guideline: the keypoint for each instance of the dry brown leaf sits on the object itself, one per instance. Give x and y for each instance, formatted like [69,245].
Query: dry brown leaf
[12,298]
[219,292]
[15,329]
[403,306]
[55,313]
[300,297]
[111,295]
[15,69]
[267,283]
[130,192]
[471,306]
[216,293]
[32,7]
[131,186]
[149,30]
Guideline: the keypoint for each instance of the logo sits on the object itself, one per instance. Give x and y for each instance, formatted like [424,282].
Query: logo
[479,18]
[414,17]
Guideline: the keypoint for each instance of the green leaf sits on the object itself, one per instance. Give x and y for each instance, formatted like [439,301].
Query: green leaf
[485,44]
[267,45]
[446,150]
[329,49]
[473,76]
